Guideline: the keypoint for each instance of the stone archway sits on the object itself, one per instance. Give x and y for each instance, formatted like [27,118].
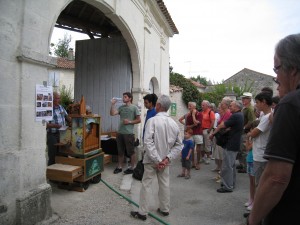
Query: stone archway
[77,16]
[154,85]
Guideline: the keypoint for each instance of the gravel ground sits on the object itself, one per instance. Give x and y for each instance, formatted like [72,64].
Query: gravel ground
[193,202]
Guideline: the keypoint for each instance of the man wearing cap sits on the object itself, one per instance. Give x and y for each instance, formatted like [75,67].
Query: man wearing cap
[249,116]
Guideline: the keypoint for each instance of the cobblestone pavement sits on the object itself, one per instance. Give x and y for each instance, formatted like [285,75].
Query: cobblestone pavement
[193,202]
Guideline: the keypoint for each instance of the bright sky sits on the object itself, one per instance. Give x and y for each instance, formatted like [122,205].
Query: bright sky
[58,33]
[218,38]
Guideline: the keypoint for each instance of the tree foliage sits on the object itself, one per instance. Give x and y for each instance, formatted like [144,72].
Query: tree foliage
[201,80]
[66,96]
[212,97]
[215,95]
[220,90]
[62,47]
[190,92]
[223,88]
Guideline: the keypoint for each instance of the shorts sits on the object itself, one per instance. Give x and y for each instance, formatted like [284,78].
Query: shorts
[125,143]
[207,141]
[258,168]
[250,169]
[218,152]
[198,139]
[186,163]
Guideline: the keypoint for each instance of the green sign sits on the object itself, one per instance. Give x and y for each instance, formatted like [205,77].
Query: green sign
[94,165]
[173,109]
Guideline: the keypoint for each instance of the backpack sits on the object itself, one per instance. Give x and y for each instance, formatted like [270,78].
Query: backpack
[138,171]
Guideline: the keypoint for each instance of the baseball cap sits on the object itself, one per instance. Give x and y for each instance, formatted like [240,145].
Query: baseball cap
[246,95]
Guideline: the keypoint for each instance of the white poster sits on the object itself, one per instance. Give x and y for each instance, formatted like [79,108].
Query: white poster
[44,103]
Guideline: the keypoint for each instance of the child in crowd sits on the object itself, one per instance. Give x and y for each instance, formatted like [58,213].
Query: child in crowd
[250,170]
[186,154]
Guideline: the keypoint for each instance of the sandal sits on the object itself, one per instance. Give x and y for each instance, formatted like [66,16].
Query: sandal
[197,167]
[187,177]
[181,175]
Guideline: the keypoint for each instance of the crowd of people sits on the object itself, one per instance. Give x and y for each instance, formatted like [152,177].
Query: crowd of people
[261,134]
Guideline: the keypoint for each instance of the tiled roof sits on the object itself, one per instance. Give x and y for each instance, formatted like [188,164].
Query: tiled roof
[246,71]
[65,63]
[174,88]
[197,84]
[167,15]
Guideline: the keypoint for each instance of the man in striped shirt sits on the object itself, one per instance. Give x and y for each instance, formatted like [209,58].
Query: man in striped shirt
[60,116]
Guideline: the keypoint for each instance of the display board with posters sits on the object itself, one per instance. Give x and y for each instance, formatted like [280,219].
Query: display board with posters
[44,103]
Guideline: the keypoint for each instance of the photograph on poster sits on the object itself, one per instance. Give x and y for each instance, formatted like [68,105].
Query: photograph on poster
[39,97]
[49,97]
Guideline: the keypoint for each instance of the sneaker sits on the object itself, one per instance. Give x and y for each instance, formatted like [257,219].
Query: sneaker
[128,171]
[223,190]
[202,161]
[181,175]
[248,203]
[117,170]
[249,208]
[246,214]
[242,171]
[207,161]
[239,167]
[162,213]
[138,216]
[188,177]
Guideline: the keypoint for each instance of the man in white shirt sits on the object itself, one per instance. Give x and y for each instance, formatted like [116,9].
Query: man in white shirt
[260,135]
[162,143]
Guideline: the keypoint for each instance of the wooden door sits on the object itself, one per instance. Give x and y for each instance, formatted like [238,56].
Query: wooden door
[102,71]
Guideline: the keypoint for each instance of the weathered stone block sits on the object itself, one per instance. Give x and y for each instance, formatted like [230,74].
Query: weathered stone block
[34,206]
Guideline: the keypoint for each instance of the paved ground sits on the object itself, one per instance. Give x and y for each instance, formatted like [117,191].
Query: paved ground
[193,202]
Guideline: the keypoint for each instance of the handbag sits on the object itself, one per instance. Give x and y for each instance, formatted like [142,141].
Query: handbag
[222,137]
[138,171]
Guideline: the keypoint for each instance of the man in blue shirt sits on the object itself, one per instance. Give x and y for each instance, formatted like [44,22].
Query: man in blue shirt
[149,103]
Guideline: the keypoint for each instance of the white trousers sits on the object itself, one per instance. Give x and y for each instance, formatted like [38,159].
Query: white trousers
[151,172]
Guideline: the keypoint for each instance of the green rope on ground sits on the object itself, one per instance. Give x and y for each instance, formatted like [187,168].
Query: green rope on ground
[129,200]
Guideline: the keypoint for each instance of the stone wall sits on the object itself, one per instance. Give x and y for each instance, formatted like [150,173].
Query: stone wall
[176,97]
